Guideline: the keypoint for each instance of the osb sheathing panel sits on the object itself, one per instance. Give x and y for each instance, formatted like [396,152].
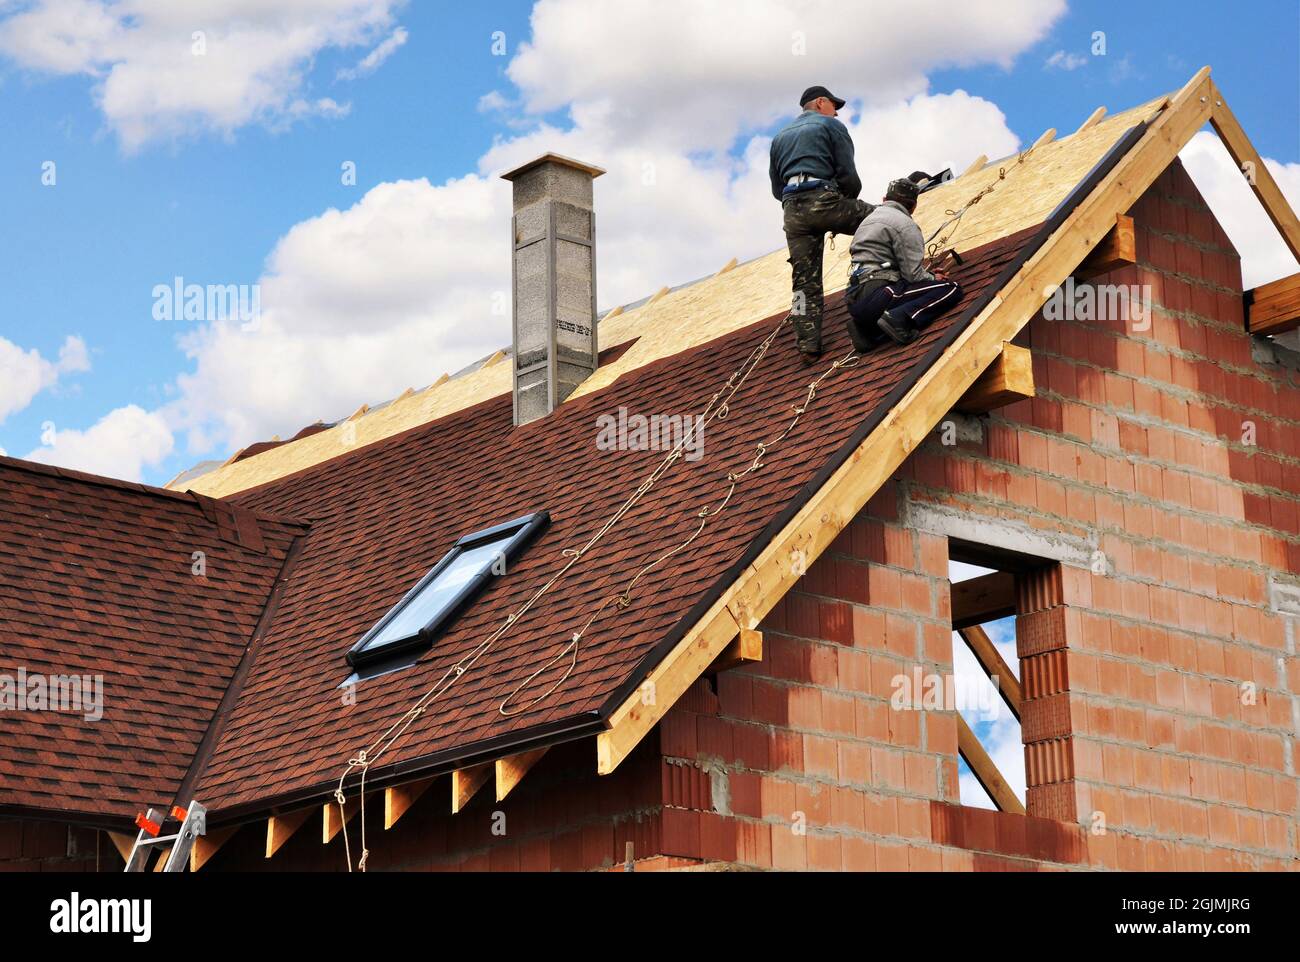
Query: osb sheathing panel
[710,308]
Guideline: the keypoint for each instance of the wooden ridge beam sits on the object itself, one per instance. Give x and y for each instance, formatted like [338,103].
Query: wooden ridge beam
[399,798]
[1094,118]
[745,650]
[1008,379]
[206,846]
[280,827]
[1274,308]
[982,647]
[1261,182]
[511,771]
[1117,249]
[985,772]
[983,599]
[786,557]
[466,781]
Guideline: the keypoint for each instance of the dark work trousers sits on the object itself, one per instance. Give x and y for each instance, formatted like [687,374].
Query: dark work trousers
[916,303]
[809,214]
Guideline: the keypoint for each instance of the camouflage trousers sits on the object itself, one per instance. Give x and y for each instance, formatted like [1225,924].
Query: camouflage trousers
[809,215]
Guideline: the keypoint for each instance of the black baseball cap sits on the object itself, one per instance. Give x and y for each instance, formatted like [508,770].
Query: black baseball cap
[812,93]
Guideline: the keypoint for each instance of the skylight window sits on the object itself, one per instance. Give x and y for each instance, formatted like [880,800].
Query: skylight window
[428,609]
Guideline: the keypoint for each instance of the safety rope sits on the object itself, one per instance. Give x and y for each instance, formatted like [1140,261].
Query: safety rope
[717,408]
[933,247]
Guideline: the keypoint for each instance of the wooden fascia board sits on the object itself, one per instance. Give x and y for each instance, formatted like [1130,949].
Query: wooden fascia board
[1262,183]
[786,557]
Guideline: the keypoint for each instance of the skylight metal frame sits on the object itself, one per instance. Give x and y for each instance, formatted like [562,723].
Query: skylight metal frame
[514,537]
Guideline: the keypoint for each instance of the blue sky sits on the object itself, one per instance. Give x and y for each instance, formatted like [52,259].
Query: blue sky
[163,173]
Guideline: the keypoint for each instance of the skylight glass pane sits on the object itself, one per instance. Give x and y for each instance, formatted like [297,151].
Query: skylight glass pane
[439,593]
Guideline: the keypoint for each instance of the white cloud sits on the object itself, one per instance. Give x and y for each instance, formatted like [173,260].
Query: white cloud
[120,445]
[371,61]
[1264,256]
[684,73]
[24,374]
[1061,60]
[150,79]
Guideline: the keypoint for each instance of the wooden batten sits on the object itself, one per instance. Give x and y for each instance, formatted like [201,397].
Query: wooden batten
[510,771]
[399,798]
[280,827]
[1008,379]
[206,846]
[985,772]
[1274,308]
[747,649]
[983,599]
[1117,249]
[465,782]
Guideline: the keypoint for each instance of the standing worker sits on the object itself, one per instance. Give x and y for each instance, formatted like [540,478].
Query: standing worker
[890,292]
[814,177]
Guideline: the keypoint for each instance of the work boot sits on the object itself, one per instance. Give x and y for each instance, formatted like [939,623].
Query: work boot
[900,329]
[863,343]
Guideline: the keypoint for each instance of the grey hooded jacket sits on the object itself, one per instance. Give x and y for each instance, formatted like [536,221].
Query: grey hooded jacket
[889,234]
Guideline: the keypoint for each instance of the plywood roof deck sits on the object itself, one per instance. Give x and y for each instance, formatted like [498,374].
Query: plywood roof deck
[692,315]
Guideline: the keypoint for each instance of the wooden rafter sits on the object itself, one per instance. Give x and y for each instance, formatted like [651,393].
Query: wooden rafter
[1008,379]
[727,267]
[985,772]
[1274,308]
[466,781]
[206,846]
[331,824]
[399,798]
[983,599]
[1046,137]
[976,164]
[280,827]
[747,649]
[981,646]
[1094,118]
[1117,249]
[830,509]
[511,771]
[123,843]
[1262,182]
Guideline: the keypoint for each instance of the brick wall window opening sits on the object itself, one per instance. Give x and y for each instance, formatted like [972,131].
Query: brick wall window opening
[991,761]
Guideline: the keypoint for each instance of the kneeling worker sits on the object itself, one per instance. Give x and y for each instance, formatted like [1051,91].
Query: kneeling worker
[889,291]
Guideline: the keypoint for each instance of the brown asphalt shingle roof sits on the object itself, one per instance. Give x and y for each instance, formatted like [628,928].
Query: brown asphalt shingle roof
[383,515]
[96,579]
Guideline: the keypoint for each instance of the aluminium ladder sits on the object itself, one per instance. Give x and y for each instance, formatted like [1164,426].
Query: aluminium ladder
[193,824]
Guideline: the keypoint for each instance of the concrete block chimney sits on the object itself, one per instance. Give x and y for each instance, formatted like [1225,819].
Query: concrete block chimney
[554,270]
